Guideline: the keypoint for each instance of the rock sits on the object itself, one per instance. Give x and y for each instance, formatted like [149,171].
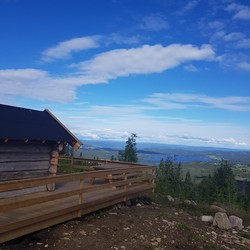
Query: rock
[221,220]
[170,198]
[216,209]
[207,218]
[236,222]
[82,232]
[190,203]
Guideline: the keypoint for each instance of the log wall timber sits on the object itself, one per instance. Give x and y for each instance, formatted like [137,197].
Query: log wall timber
[20,160]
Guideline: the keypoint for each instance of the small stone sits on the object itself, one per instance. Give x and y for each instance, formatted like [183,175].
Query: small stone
[138,205]
[82,232]
[172,242]
[154,243]
[170,198]
[39,243]
[66,238]
[46,245]
[158,240]
[111,213]
[207,218]
[66,234]
[142,237]
[126,228]
[123,247]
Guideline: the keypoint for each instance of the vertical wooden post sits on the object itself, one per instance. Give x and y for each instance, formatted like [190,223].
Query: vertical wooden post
[72,162]
[80,198]
[53,167]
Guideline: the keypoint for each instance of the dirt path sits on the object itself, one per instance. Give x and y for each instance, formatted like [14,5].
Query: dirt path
[131,227]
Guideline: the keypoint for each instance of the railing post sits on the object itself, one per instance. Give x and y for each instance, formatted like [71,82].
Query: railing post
[80,198]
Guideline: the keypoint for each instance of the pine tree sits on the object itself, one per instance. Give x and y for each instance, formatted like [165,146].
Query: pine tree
[130,152]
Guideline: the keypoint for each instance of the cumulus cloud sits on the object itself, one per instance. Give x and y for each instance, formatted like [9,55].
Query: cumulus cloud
[143,60]
[64,50]
[240,11]
[154,23]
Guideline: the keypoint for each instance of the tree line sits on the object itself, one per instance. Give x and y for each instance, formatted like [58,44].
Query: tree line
[219,187]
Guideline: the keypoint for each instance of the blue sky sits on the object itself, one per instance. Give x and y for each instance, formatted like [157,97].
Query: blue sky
[170,71]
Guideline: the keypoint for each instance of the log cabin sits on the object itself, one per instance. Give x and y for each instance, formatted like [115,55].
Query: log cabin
[30,143]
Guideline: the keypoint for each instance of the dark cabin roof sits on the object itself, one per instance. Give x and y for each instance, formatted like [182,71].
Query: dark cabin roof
[27,124]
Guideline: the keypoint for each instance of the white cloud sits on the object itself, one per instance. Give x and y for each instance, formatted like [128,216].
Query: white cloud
[64,50]
[217,36]
[38,84]
[143,60]
[244,66]
[154,23]
[106,122]
[188,7]
[184,101]
[191,68]
[244,43]
[240,11]
[234,36]
[216,25]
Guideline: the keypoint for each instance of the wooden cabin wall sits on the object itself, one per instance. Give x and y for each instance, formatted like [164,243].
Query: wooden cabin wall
[19,161]
[24,160]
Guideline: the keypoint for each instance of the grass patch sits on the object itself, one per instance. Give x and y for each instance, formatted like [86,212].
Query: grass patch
[210,246]
[183,227]
[69,170]
[198,237]
[245,235]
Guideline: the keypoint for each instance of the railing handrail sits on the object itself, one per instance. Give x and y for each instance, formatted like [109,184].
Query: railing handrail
[33,182]
[102,161]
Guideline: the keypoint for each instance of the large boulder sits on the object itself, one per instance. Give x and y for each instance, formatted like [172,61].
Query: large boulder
[236,222]
[221,220]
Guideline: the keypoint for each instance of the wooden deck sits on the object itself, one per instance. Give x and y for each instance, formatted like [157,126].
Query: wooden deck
[75,195]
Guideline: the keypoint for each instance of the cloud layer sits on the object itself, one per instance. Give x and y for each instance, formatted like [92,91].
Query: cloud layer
[41,85]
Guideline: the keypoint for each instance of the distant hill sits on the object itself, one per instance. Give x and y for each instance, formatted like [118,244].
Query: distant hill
[152,153]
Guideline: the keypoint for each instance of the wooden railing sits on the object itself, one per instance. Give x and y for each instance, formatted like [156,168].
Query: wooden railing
[76,194]
[85,163]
